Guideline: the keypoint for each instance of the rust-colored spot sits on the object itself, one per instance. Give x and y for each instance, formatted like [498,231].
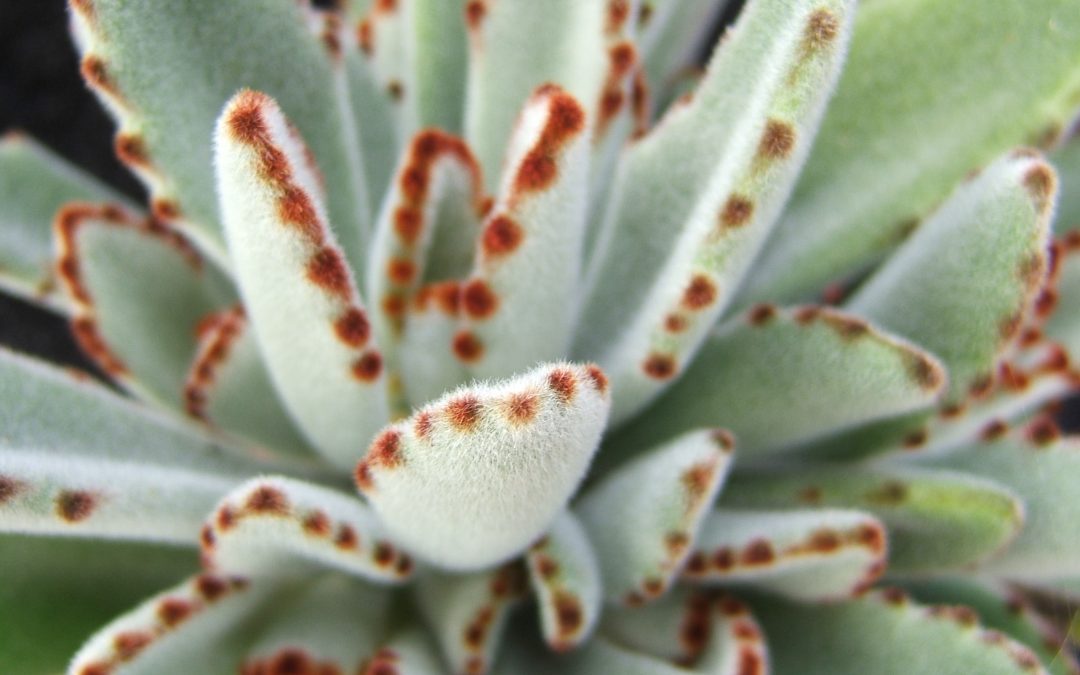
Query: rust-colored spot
[746,632]
[468,347]
[546,566]
[226,518]
[696,564]
[408,224]
[501,236]
[395,89]
[675,323]
[994,430]
[463,412]
[206,537]
[565,119]
[617,13]
[1043,431]
[478,300]
[916,439]
[871,537]
[131,150]
[653,587]
[9,488]
[211,587]
[1012,378]
[1056,360]
[569,615]
[700,293]
[362,476]
[810,495]
[1041,183]
[761,314]
[521,407]
[750,662]
[475,11]
[633,599]
[245,120]
[563,383]
[731,607]
[758,552]
[352,327]
[659,366]
[824,541]
[346,538]
[598,378]
[75,505]
[401,271]
[723,559]
[173,611]
[327,270]
[129,643]
[821,29]
[385,450]
[384,554]
[423,424]
[676,543]
[923,371]
[777,141]
[1046,303]
[93,345]
[96,72]
[476,631]
[165,210]
[737,211]
[889,493]
[291,661]
[317,524]
[268,499]
[368,367]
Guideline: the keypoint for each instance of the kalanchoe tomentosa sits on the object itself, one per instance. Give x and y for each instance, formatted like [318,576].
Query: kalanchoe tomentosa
[473,337]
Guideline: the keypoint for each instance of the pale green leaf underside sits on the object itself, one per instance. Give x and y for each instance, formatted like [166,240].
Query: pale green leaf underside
[932,90]
[1067,161]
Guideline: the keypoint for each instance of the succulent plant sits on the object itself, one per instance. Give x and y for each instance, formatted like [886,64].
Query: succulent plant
[491,336]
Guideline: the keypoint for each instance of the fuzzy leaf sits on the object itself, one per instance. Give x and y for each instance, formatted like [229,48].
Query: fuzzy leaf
[886,633]
[683,226]
[932,90]
[429,353]
[1067,161]
[34,184]
[436,53]
[137,292]
[811,555]
[597,656]
[166,70]
[373,121]
[1064,324]
[408,650]
[962,284]
[280,527]
[936,520]
[200,626]
[673,34]
[476,476]
[748,372]
[305,310]
[566,580]
[330,626]
[520,302]
[468,613]
[644,517]
[56,591]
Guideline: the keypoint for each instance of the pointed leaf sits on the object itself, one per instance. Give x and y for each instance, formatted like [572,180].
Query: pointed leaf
[34,184]
[962,284]
[166,70]
[137,292]
[748,371]
[811,555]
[644,517]
[566,580]
[520,302]
[468,613]
[304,307]
[277,527]
[886,633]
[673,34]
[932,90]
[476,476]
[676,242]
[936,520]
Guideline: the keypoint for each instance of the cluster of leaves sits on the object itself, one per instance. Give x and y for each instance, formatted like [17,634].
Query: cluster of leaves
[534,289]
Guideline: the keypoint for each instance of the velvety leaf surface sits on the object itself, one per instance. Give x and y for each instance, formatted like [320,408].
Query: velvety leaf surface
[1067,161]
[672,34]
[409,649]
[932,90]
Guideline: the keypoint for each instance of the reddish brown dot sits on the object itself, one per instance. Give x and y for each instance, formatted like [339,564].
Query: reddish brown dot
[723,559]
[700,293]
[463,412]
[569,615]
[385,450]
[93,344]
[698,481]
[653,587]
[923,371]
[821,29]
[478,300]
[871,536]
[1041,183]
[761,314]
[563,383]
[847,327]
[696,564]
[267,499]
[395,89]
[916,439]
[363,476]
[317,524]
[731,607]
[617,13]
[824,541]
[291,661]
[777,141]
[75,505]
[598,378]
[674,323]
[676,543]
[750,662]
[994,430]
[1043,432]
[468,347]
[206,537]
[353,328]
[131,150]
[810,495]
[211,587]
[226,518]
[96,73]
[522,407]
[737,211]
[758,552]
[346,538]
[9,487]
[401,271]
[659,366]
[536,172]
[502,236]
[546,566]
[408,224]
[245,120]
[173,611]
[368,367]
[327,270]
[475,11]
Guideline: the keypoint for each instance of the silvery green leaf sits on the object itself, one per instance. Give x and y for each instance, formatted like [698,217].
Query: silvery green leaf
[1063,325]
[409,650]
[746,373]
[436,54]
[808,555]
[478,475]
[565,578]
[279,527]
[1067,161]
[137,291]
[886,633]
[165,71]
[683,226]
[672,35]
[643,517]
[431,347]
[202,625]
[305,310]
[34,184]
[932,90]
[962,285]
[936,520]
[373,120]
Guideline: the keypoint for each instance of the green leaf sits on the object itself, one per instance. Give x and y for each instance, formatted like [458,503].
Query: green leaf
[936,520]
[34,184]
[683,226]
[478,475]
[1064,324]
[57,591]
[137,292]
[672,33]
[884,633]
[165,71]
[280,527]
[409,649]
[373,120]
[431,347]
[963,283]
[565,578]
[644,517]
[307,315]
[748,373]
[807,555]
[932,90]
[1067,161]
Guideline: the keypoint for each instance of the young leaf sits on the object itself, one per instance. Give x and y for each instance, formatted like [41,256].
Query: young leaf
[810,555]
[643,518]
[566,580]
[683,226]
[747,372]
[931,91]
[962,285]
[305,310]
[476,476]
[373,121]
[281,527]
[433,353]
